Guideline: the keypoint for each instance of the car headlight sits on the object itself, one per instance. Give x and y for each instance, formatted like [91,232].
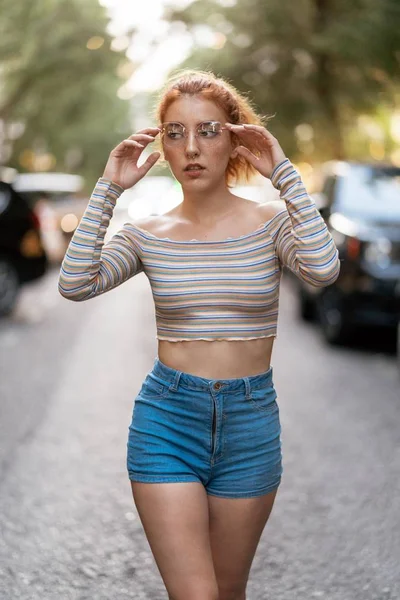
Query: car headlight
[379,252]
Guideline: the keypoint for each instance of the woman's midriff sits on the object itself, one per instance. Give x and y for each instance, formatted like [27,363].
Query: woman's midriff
[224,359]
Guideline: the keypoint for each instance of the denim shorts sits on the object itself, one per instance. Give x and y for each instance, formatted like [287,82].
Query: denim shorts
[223,433]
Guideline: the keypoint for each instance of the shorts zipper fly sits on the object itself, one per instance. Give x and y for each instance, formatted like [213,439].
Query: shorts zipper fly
[214,427]
[217,386]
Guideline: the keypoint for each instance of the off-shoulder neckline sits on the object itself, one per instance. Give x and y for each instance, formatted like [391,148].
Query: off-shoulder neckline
[259,229]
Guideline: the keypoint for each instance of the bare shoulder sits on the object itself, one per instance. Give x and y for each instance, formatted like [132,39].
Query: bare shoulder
[147,222]
[155,224]
[268,210]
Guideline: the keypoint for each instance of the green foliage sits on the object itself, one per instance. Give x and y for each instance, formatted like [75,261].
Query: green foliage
[64,93]
[315,62]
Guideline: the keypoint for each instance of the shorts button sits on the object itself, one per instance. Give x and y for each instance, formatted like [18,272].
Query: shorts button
[217,386]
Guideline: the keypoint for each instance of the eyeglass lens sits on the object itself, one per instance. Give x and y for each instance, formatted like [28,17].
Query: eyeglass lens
[176,132]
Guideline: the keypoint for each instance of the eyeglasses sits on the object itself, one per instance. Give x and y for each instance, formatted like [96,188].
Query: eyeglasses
[208,132]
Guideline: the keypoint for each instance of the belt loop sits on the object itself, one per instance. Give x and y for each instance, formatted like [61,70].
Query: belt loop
[248,388]
[175,383]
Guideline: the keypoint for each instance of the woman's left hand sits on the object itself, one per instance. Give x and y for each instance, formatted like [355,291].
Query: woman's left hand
[269,153]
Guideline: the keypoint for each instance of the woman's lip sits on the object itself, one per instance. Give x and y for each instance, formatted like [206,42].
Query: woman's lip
[194,172]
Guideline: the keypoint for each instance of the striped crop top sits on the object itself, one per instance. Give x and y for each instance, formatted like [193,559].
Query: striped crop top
[204,290]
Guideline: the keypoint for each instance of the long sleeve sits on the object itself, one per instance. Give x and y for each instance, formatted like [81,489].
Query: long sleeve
[302,241]
[91,267]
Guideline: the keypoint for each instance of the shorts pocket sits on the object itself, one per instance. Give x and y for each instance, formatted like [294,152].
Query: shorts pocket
[264,400]
[154,388]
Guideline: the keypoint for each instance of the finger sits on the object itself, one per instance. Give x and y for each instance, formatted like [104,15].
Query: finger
[149,162]
[142,137]
[257,134]
[262,130]
[128,144]
[235,128]
[243,131]
[150,130]
[245,152]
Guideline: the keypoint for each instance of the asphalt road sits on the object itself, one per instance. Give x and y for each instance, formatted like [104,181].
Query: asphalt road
[69,373]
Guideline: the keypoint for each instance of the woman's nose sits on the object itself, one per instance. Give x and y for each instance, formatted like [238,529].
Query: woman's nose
[191,145]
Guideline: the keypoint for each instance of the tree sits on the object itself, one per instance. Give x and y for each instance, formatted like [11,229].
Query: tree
[316,64]
[61,93]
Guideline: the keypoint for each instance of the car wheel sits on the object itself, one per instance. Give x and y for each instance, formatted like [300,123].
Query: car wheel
[9,286]
[306,307]
[335,327]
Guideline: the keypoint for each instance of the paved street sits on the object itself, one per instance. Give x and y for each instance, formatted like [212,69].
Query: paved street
[69,373]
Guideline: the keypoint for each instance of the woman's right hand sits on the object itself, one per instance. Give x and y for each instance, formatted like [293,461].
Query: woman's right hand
[122,167]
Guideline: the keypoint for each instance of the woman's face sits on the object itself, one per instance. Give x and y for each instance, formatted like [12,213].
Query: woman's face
[209,153]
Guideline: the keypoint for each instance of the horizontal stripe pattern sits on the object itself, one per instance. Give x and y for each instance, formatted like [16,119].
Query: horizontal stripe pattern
[212,290]
[302,241]
[226,289]
[91,267]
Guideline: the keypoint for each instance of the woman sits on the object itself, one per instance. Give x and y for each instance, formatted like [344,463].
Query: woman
[204,451]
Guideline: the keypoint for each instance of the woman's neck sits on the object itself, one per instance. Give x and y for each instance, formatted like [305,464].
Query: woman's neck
[204,206]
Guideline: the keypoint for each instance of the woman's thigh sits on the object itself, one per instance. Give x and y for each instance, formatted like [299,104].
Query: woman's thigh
[176,523]
[236,525]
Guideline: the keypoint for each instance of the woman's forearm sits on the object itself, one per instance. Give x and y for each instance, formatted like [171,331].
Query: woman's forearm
[91,267]
[302,239]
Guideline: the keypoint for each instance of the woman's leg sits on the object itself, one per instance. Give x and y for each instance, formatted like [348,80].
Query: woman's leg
[236,525]
[176,523]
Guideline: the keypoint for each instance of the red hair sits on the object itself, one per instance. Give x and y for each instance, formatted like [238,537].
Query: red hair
[237,108]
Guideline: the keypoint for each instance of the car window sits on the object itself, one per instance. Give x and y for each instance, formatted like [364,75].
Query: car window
[370,193]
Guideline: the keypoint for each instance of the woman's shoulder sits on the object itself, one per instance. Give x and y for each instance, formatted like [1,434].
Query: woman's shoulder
[156,225]
[269,210]
[170,225]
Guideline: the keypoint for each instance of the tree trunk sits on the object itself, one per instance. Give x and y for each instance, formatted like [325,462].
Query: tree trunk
[325,83]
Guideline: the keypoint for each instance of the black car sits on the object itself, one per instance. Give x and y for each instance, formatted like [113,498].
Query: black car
[360,203]
[22,257]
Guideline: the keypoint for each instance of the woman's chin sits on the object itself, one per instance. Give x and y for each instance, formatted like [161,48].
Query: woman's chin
[197,183]
[201,182]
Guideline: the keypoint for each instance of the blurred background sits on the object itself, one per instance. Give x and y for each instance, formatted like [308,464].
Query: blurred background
[75,79]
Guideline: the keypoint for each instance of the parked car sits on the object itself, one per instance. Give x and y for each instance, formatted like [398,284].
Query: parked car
[398,345]
[360,203]
[22,255]
[59,205]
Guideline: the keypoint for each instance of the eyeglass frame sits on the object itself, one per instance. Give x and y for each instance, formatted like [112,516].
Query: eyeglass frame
[196,135]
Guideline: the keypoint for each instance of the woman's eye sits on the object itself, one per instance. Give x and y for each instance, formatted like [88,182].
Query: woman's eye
[174,135]
[207,133]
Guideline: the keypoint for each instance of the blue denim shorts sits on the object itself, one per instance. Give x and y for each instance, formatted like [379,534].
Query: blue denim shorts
[223,433]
